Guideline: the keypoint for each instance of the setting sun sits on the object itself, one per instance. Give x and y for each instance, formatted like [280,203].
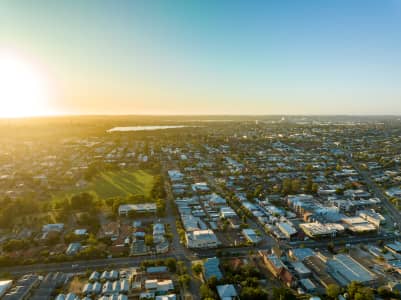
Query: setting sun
[23,89]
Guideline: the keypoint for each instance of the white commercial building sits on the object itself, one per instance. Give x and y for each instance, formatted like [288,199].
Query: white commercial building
[321,230]
[201,239]
[124,209]
[372,217]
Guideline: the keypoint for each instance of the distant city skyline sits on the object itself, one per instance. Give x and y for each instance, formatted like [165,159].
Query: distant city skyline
[200,57]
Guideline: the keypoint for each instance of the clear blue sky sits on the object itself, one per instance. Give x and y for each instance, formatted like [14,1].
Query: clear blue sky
[213,57]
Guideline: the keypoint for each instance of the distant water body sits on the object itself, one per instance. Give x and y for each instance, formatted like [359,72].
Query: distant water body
[144,128]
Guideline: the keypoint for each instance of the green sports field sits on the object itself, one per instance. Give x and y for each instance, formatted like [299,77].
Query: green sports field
[117,183]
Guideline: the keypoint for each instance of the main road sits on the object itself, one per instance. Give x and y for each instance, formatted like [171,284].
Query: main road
[84,265]
[378,192]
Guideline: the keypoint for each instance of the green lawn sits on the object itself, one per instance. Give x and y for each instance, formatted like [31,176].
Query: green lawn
[118,183]
[122,183]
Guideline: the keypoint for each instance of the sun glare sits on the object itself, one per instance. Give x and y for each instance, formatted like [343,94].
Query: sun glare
[23,90]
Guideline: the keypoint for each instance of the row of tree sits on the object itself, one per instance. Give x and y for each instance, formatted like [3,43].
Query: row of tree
[356,291]
[295,186]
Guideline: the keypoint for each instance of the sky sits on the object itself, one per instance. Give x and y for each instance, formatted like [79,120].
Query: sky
[211,57]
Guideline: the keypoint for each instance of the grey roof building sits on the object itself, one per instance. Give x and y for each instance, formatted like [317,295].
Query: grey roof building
[211,268]
[227,292]
[345,269]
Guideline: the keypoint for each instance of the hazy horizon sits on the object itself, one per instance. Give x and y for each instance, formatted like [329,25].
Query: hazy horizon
[88,115]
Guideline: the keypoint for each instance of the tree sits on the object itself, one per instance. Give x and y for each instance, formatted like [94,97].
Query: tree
[295,186]
[283,294]
[212,282]
[89,220]
[71,237]
[339,192]
[91,240]
[184,280]
[149,240]
[82,201]
[13,245]
[308,185]
[206,292]
[197,269]
[250,282]
[330,247]
[158,188]
[286,186]
[10,210]
[171,264]
[6,261]
[53,238]
[352,288]
[161,207]
[357,291]
[385,292]
[137,198]
[252,293]
[91,171]
[366,294]
[333,290]
[91,252]
[315,188]
[181,268]
[257,191]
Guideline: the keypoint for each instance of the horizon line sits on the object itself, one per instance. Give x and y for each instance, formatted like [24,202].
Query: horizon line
[199,115]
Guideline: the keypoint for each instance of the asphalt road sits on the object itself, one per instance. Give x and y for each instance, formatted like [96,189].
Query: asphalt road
[178,249]
[393,212]
[81,266]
